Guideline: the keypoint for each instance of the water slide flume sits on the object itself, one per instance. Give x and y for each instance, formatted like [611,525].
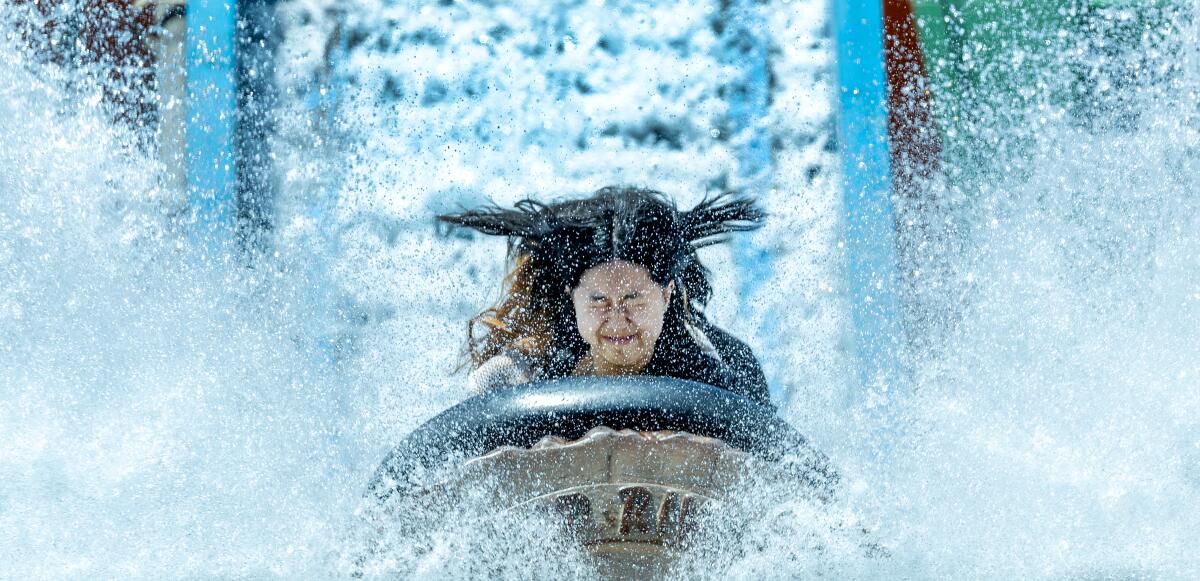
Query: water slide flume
[625,464]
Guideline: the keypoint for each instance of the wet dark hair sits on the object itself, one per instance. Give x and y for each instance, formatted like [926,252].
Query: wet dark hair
[553,244]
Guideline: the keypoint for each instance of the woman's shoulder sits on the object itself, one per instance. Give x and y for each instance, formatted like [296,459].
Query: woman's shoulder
[748,377]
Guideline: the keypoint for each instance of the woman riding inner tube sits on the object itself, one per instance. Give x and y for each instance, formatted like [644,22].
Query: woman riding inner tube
[608,285]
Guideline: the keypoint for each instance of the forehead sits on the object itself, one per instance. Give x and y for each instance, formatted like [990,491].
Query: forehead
[614,276]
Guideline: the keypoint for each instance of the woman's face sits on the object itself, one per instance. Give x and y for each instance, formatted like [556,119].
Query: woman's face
[619,310]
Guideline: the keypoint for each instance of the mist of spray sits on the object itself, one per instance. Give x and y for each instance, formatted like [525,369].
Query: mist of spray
[161,417]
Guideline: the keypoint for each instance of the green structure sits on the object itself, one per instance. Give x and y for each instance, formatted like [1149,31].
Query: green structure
[991,62]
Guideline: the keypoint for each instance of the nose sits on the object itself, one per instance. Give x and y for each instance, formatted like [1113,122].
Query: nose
[618,314]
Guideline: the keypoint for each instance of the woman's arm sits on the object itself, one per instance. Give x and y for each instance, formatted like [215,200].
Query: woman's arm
[508,368]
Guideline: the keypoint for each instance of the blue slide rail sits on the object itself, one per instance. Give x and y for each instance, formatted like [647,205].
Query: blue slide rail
[212,114]
[870,227]
[873,275]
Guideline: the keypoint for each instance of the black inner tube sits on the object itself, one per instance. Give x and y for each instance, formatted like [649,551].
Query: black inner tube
[521,415]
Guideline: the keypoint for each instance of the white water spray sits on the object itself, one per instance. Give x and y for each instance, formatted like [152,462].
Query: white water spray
[159,417]
[164,420]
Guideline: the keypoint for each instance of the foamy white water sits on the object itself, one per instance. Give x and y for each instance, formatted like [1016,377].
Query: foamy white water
[162,418]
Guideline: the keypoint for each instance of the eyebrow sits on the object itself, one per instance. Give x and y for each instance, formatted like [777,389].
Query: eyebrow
[598,296]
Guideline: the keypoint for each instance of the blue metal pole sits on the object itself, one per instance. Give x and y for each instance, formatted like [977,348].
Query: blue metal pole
[212,107]
[257,40]
[870,227]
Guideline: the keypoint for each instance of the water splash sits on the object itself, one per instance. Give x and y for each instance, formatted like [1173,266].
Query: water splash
[160,416]
[1054,430]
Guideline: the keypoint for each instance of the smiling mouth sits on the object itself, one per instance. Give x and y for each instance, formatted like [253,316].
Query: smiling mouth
[622,340]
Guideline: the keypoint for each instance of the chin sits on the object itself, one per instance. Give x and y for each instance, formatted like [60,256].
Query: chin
[625,360]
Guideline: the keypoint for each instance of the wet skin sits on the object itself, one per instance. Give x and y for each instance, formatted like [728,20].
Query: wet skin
[619,311]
